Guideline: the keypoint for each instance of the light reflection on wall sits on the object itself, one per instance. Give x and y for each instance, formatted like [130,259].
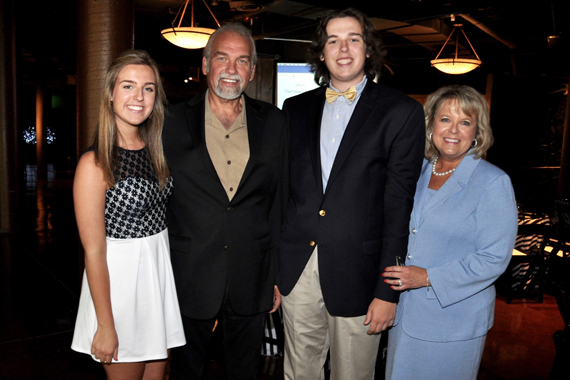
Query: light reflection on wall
[40,189]
[30,136]
[31,177]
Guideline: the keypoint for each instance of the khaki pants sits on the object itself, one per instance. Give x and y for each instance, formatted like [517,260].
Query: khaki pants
[310,331]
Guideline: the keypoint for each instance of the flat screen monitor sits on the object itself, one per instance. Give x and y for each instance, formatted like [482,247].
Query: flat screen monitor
[292,79]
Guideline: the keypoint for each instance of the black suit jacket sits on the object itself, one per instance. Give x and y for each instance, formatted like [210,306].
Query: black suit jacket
[216,244]
[368,199]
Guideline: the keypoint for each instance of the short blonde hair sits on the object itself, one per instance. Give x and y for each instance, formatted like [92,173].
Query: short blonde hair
[472,103]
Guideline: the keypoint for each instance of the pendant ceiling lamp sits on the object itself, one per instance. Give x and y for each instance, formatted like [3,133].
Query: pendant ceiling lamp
[456,65]
[188,37]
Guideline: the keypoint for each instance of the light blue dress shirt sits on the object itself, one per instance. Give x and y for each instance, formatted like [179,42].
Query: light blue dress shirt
[333,124]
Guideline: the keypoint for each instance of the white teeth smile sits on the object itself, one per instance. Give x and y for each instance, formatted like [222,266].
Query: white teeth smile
[344,61]
[135,108]
[451,140]
[229,80]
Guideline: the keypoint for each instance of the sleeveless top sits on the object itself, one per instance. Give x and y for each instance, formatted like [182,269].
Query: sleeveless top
[135,207]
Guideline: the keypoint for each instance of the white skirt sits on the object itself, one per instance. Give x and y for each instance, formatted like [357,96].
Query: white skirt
[143,298]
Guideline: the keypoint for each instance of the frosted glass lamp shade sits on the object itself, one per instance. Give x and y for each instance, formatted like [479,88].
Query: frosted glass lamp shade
[455,65]
[188,37]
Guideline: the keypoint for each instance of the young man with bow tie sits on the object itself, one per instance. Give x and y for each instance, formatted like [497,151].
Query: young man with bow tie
[356,154]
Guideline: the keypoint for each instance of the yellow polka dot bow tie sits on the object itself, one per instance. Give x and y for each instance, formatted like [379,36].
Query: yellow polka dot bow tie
[332,95]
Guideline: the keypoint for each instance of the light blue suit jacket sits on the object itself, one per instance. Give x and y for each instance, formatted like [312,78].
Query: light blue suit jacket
[464,236]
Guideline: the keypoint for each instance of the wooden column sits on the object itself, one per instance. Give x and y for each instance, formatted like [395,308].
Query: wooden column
[262,86]
[8,135]
[105,29]
[40,133]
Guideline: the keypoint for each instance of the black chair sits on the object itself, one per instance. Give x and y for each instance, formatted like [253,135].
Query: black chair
[556,246]
[273,339]
[560,238]
[524,278]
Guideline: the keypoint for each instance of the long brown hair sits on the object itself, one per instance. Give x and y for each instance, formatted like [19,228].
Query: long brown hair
[150,131]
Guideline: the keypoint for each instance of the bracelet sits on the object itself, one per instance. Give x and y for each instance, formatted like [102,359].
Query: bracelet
[427,282]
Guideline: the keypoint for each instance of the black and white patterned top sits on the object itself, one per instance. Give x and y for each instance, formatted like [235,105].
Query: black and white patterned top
[135,207]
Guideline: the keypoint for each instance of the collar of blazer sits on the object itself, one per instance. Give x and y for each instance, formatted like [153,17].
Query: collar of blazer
[195,116]
[365,112]
[457,182]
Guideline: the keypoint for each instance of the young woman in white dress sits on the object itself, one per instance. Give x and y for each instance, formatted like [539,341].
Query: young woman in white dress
[128,315]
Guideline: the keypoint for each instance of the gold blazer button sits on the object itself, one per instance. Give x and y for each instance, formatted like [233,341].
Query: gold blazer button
[322,213]
[312,243]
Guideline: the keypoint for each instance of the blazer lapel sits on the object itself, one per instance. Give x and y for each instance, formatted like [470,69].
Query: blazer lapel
[255,130]
[421,190]
[458,180]
[367,103]
[313,123]
[195,116]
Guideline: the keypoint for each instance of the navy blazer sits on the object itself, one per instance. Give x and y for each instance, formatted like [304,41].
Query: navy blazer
[464,236]
[360,223]
[218,244]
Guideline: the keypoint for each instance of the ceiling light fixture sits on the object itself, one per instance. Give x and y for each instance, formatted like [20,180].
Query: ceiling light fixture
[456,65]
[188,37]
[245,5]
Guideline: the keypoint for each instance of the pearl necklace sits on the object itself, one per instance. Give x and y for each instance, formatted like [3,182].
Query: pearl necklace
[440,174]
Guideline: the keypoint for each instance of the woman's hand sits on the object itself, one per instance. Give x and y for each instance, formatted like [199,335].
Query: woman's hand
[105,344]
[405,277]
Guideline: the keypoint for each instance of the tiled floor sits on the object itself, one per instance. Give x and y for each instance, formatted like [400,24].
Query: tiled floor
[40,272]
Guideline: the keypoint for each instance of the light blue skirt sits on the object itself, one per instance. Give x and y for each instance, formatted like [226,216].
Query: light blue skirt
[410,358]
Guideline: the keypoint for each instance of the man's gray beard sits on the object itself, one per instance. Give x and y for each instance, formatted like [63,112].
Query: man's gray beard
[228,93]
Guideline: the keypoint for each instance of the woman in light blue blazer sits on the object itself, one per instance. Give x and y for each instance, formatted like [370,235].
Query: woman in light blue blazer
[462,233]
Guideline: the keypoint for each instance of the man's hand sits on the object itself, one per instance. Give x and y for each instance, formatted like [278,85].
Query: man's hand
[380,316]
[276,299]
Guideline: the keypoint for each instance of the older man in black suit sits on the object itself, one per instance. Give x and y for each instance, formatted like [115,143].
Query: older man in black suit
[356,154]
[228,157]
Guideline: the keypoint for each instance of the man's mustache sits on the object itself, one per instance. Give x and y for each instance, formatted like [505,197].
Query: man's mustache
[231,77]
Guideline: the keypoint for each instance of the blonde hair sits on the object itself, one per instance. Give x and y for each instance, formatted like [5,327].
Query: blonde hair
[472,103]
[150,131]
